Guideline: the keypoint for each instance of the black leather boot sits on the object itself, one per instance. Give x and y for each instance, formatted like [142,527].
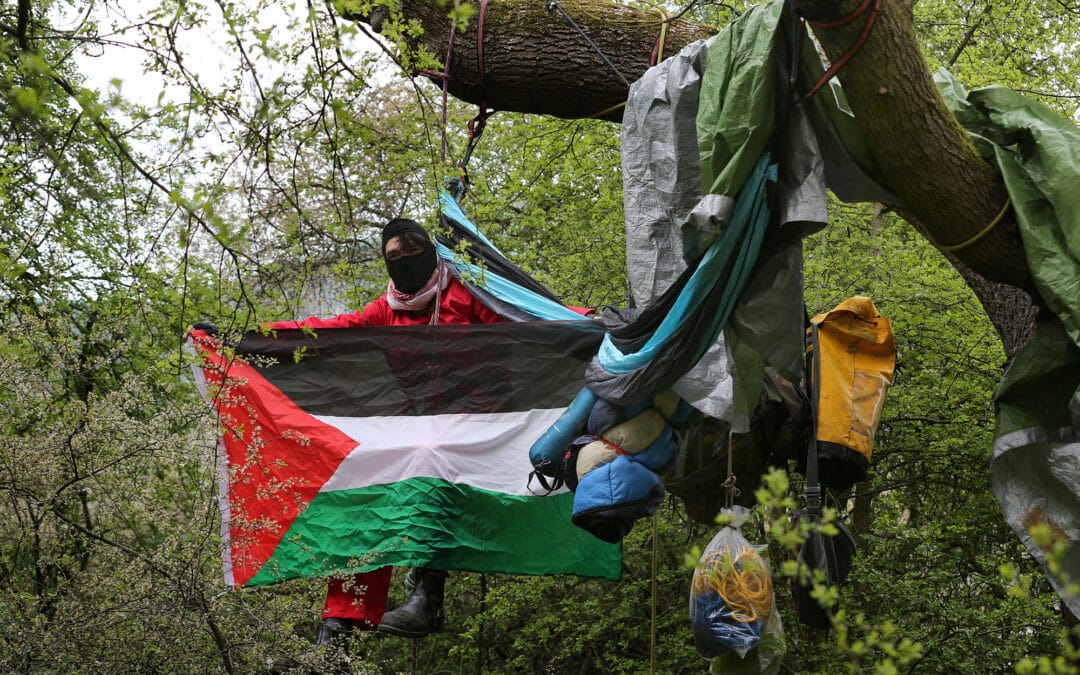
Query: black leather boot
[422,613]
[331,647]
[334,632]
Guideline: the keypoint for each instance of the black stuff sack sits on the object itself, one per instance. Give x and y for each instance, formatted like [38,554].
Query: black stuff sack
[832,555]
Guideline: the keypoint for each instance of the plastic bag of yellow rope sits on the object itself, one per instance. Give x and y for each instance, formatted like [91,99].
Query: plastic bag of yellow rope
[731,602]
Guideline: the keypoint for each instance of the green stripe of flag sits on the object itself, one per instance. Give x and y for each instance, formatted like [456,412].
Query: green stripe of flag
[433,522]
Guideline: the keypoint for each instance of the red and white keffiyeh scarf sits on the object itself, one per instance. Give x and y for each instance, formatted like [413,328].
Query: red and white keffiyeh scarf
[415,302]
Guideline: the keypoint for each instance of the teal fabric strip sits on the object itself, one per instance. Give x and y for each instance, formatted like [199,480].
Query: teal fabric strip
[508,291]
[750,216]
[498,286]
[453,210]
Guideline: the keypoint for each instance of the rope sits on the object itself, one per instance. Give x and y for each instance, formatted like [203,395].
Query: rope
[740,580]
[618,450]
[480,40]
[985,231]
[652,628]
[817,23]
[875,8]
[476,129]
[730,491]
[476,124]
[445,77]
[658,48]
[553,4]
[608,110]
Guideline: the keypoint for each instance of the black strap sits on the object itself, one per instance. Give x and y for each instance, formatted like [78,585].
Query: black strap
[556,482]
[813,485]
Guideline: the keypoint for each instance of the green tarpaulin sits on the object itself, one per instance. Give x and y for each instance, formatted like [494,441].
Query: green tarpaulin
[1036,457]
[693,129]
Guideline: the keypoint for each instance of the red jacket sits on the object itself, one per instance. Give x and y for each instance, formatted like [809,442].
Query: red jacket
[457,306]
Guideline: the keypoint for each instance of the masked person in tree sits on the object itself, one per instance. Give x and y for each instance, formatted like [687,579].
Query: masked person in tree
[421,291]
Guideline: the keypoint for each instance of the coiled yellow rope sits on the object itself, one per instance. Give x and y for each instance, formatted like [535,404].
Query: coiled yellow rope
[741,582]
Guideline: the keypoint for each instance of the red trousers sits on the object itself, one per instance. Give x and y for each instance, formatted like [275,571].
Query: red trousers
[361,597]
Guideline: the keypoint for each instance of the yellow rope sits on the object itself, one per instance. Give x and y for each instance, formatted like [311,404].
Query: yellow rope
[980,235]
[663,34]
[741,582]
[652,624]
[607,110]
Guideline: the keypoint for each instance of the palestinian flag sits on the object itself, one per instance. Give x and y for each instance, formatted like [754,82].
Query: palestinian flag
[365,447]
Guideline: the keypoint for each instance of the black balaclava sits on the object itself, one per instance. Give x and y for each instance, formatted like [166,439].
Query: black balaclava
[409,273]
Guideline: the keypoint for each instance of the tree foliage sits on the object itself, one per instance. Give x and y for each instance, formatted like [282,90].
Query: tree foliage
[252,189]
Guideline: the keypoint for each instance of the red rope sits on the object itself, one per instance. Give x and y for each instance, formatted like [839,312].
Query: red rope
[476,124]
[875,9]
[655,57]
[616,448]
[842,20]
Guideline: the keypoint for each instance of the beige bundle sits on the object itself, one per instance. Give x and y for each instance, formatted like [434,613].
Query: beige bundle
[630,437]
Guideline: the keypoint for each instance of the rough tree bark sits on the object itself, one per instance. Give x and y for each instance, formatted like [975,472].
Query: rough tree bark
[534,61]
[949,192]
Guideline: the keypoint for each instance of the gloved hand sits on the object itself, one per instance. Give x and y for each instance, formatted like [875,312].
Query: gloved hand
[207,327]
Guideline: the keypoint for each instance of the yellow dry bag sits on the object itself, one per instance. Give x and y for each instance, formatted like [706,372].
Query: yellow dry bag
[857,359]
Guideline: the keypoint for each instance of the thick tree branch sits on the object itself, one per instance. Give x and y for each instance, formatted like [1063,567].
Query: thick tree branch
[948,191]
[535,62]
[23,25]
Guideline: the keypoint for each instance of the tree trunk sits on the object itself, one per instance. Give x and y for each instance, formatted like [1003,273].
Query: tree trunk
[949,192]
[534,61]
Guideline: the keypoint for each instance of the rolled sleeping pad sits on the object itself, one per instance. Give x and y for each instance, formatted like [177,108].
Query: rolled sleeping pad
[637,433]
[655,457]
[660,452]
[673,408]
[667,402]
[547,452]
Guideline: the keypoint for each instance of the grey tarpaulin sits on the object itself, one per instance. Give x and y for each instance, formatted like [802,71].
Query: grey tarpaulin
[695,123]
[692,129]
[1035,469]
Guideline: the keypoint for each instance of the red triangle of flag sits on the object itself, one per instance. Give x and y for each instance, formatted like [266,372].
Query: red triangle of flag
[278,457]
